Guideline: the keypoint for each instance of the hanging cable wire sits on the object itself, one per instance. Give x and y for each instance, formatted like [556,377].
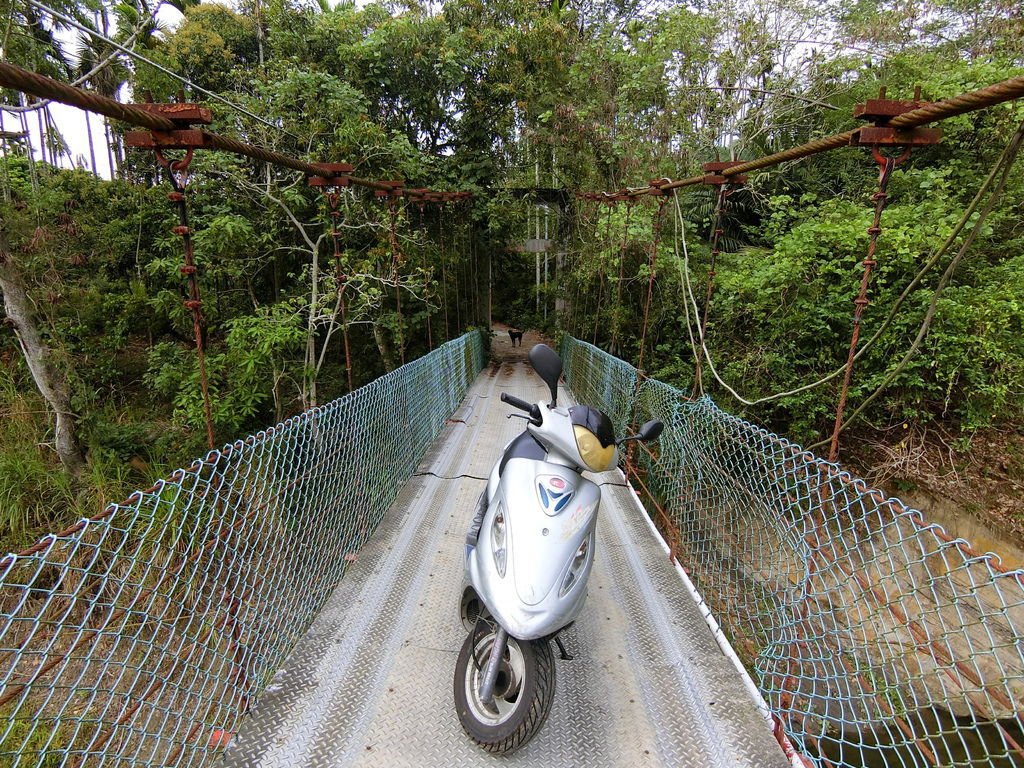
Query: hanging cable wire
[679,225]
[149,62]
[691,302]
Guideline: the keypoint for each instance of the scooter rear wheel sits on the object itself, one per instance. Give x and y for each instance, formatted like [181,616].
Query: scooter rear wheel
[522,695]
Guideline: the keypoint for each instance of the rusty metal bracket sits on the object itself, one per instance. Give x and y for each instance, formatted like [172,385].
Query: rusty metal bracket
[391,189]
[178,170]
[184,137]
[880,112]
[335,175]
[182,114]
[656,186]
[418,195]
[713,173]
[878,135]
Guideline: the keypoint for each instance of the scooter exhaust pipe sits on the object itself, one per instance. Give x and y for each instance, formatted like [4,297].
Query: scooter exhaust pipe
[493,664]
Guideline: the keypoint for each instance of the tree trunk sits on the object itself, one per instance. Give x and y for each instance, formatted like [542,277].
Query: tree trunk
[383,347]
[43,143]
[109,144]
[314,301]
[48,377]
[5,152]
[92,146]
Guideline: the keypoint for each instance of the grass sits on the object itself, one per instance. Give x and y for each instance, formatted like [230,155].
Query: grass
[32,489]
[36,495]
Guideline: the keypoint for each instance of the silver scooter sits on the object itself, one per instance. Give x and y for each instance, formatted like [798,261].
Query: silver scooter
[529,552]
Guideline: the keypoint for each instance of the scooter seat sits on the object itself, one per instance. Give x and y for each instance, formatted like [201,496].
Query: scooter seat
[523,447]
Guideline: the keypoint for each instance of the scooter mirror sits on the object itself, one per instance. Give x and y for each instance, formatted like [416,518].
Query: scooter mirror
[651,430]
[648,432]
[548,365]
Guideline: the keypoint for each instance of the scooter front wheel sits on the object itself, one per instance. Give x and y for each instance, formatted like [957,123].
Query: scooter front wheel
[523,692]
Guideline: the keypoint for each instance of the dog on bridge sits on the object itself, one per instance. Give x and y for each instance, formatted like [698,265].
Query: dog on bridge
[515,335]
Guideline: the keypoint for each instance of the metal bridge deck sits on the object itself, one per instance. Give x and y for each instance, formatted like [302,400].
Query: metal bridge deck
[371,682]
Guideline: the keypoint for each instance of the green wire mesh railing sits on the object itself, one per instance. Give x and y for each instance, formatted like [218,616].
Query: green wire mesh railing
[875,639]
[141,636]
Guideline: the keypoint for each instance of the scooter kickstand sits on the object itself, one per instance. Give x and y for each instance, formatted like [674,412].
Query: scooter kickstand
[563,654]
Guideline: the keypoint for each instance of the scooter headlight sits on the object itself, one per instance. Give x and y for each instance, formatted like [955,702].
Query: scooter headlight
[579,561]
[498,541]
[597,457]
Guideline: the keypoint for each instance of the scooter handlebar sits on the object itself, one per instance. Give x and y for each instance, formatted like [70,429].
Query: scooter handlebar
[522,405]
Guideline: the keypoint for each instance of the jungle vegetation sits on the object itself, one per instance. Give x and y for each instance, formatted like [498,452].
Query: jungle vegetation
[498,98]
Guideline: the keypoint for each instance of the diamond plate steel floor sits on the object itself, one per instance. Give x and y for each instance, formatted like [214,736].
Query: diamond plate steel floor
[371,682]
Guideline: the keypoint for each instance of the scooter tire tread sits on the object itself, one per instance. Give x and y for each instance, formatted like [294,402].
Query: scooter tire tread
[540,706]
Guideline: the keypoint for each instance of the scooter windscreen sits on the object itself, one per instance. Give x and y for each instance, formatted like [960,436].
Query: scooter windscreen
[595,437]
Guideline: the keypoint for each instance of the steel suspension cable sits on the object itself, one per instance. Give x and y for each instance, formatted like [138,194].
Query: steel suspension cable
[716,237]
[40,86]
[93,71]
[1006,90]
[12,76]
[886,166]
[149,62]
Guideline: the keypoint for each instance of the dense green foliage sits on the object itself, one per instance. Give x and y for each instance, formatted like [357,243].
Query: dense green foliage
[498,98]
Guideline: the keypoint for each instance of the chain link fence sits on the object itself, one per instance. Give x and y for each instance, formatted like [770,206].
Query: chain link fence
[141,636]
[875,638]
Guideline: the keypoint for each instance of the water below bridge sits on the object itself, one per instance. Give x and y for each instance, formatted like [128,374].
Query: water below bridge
[371,681]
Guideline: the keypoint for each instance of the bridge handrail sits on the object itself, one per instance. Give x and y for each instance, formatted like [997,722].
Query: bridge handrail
[147,631]
[874,637]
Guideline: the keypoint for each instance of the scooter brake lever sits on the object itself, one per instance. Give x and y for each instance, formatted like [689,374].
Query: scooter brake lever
[517,416]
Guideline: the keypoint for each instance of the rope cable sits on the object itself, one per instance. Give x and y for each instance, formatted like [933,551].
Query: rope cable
[988,96]
[12,76]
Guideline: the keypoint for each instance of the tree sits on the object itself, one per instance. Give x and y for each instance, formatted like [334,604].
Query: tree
[47,371]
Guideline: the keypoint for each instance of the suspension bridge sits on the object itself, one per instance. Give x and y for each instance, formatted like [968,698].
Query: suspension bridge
[290,598]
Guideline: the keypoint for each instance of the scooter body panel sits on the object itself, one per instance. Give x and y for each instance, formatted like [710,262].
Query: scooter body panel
[549,511]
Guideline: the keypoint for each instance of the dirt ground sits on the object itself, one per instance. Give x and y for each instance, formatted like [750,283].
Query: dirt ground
[972,485]
[502,350]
